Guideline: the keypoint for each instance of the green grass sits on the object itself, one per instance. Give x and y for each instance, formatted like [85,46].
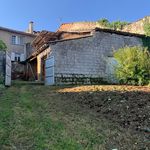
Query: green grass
[40,118]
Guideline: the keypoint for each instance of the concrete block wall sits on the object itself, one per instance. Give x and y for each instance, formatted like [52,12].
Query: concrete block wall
[87,57]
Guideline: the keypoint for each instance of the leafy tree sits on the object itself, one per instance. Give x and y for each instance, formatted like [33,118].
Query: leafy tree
[104,22]
[111,25]
[3,46]
[133,65]
[118,25]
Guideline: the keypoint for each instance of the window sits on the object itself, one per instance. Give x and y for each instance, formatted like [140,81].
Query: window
[17,40]
[16,57]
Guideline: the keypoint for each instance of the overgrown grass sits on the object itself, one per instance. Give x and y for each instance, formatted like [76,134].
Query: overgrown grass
[28,122]
[38,118]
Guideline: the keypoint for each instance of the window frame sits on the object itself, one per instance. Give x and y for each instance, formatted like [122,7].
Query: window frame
[17,40]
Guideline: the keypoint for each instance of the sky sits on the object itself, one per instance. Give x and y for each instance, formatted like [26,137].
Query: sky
[49,14]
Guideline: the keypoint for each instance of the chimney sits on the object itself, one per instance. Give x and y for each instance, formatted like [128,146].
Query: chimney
[30,29]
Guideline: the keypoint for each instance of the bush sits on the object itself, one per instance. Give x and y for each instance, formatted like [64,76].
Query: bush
[3,46]
[133,65]
[1,79]
[117,25]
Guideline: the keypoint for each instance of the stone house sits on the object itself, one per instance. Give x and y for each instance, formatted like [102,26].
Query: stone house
[19,46]
[80,57]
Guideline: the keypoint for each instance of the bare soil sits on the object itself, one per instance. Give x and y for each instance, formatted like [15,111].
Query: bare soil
[127,106]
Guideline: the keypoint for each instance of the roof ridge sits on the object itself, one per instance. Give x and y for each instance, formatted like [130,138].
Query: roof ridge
[16,31]
[79,22]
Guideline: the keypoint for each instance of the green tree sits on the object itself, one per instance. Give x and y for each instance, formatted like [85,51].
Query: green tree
[3,46]
[104,22]
[112,25]
[118,25]
[133,65]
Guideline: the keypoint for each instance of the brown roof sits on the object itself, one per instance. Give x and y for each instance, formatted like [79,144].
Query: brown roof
[77,27]
[16,31]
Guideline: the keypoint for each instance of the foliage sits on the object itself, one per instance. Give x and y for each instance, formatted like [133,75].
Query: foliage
[147,27]
[104,22]
[1,79]
[118,25]
[112,25]
[146,42]
[133,65]
[3,46]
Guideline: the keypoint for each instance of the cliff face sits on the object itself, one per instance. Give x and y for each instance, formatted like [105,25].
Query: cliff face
[137,27]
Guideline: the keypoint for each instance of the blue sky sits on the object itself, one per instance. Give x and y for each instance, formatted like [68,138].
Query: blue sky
[49,14]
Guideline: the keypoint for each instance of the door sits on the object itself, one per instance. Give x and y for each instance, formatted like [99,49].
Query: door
[8,70]
[49,71]
[110,69]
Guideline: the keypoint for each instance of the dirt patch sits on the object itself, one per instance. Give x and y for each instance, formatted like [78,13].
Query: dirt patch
[128,106]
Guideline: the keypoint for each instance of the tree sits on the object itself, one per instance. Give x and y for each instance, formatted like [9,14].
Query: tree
[3,46]
[104,22]
[112,25]
[133,65]
[118,25]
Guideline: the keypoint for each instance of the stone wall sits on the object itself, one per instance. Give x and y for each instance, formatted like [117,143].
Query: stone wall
[86,58]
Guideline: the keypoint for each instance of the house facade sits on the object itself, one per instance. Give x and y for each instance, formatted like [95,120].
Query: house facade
[19,46]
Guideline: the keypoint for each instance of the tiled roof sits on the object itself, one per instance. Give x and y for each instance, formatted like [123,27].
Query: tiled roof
[77,26]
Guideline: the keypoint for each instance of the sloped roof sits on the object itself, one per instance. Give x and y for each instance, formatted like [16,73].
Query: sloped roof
[77,26]
[16,31]
[43,39]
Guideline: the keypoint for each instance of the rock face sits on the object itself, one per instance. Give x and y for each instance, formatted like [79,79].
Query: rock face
[137,27]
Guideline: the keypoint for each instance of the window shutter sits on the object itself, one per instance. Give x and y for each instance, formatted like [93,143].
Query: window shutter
[12,56]
[22,57]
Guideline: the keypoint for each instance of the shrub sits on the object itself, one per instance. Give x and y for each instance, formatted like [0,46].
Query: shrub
[146,26]
[104,22]
[133,65]
[1,79]
[116,25]
[3,46]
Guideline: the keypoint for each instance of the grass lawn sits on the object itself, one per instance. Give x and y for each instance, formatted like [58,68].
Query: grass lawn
[74,118]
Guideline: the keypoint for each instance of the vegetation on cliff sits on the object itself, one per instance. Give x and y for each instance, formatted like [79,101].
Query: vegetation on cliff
[116,25]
